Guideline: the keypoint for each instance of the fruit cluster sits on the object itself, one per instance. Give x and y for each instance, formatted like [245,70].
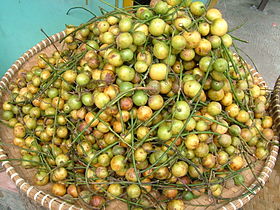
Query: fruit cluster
[146,105]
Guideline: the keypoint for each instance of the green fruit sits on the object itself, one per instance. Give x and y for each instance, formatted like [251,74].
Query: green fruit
[161,50]
[204,63]
[147,14]
[164,132]
[141,66]
[239,180]
[178,42]
[140,98]
[161,8]
[74,102]
[220,65]
[125,87]
[217,85]
[181,110]
[124,40]
[87,99]
[7,115]
[52,93]
[133,191]
[125,24]
[188,195]
[139,38]
[191,88]
[197,8]
[125,73]
[91,44]
[126,54]
[82,79]
[157,26]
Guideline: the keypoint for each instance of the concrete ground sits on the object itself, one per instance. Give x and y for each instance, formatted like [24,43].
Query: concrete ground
[261,29]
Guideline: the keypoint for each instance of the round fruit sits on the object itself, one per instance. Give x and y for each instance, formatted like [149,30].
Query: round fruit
[213,14]
[133,191]
[219,27]
[140,98]
[192,88]
[197,8]
[87,99]
[164,132]
[220,65]
[161,50]
[214,108]
[117,162]
[178,42]
[82,79]
[125,73]
[124,40]
[181,110]
[203,48]
[158,71]
[161,7]
[179,169]
[175,205]
[157,26]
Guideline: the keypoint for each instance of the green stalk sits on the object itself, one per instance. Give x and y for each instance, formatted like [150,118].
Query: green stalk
[116,8]
[133,154]
[120,112]
[83,8]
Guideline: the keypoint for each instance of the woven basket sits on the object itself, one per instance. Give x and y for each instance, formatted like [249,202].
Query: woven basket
[23,178]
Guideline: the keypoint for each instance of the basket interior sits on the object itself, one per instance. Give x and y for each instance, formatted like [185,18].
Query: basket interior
[6,135]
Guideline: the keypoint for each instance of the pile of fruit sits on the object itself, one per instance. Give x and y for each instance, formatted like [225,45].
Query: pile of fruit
[149,106]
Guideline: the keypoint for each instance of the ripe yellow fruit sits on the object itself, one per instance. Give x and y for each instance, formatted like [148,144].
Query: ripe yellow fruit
[219,27]
[158,71]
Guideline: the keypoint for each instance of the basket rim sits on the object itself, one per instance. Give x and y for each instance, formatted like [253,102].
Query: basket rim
[51,202]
